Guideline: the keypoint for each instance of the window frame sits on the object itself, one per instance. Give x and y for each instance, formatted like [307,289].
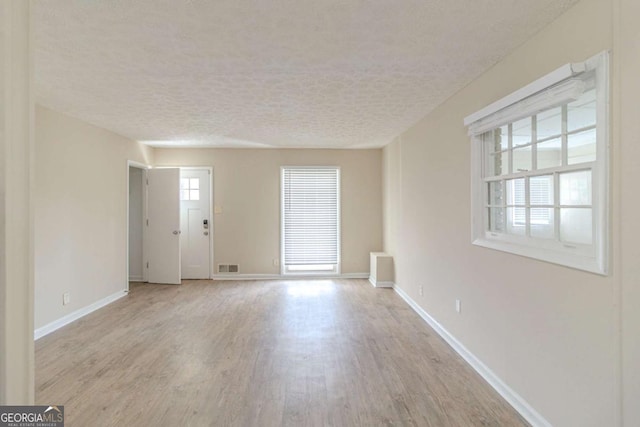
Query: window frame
[189,190]
[302,270]
[592,258]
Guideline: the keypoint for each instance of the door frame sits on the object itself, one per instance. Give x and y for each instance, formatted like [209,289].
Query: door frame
[212,222]
[143,167]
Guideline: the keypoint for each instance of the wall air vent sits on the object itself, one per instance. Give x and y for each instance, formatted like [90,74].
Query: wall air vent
[228,268]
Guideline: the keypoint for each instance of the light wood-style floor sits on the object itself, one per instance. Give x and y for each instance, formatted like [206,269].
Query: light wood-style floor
[261,353]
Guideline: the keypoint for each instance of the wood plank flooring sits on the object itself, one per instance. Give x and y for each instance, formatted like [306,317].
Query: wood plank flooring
[261,353]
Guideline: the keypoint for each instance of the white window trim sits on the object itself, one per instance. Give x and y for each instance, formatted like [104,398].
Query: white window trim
[595,261]
[313,273]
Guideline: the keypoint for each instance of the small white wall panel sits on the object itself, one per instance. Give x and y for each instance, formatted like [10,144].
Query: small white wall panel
[381,270]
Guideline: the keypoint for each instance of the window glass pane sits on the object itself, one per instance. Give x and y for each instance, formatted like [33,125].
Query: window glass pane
[515,192]
[541,190]
[522,159]
[575,188]
[184,183]
[496,220]
[194,183]
[521,131]
[582,112]
[549,123]
[576,225]
[542,223]
[496,193]
[581,147]
[184,194]
[516,216]
[497,164]
[194,194]
[549,154]
[516,221]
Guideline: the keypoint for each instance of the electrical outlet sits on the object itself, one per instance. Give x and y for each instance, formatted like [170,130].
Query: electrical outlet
[458,306]
[420,290]
[276,262]
[65,298]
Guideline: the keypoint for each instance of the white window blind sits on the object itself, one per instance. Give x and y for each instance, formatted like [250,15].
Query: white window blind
[310,218]
[561,93]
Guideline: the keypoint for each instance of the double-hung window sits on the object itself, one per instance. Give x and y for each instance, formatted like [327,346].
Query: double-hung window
[540,169]
[310,220]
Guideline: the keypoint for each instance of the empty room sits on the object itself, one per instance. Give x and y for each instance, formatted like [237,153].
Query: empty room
[328,213]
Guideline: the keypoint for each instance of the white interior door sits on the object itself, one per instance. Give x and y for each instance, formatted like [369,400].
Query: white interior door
[163,236]
[195,223]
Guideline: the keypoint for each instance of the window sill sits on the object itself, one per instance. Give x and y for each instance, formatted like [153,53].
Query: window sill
[578,262]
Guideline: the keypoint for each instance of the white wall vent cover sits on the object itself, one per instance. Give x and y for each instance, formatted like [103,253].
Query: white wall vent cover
[228,268]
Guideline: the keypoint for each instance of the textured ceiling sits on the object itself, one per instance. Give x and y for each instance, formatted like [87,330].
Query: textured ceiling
[281,73]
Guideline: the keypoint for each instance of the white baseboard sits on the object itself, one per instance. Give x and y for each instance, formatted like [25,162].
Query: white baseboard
[380,283]
[288,276]
[136,279]
[57,324]
[514,399]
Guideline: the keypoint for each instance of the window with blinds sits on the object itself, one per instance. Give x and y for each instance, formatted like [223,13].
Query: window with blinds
[310,219]
[540,175]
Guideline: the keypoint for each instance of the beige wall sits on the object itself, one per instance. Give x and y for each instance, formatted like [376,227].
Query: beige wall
[80,212]
[627,165]
[549,332]
[247,188]
[392,195]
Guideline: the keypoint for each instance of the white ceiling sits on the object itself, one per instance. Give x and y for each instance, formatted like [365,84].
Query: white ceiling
[271,73]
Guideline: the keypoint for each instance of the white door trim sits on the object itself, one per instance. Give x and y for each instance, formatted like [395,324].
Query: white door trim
[134,164]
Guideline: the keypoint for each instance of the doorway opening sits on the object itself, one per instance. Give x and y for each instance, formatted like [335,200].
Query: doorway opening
[170,224]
